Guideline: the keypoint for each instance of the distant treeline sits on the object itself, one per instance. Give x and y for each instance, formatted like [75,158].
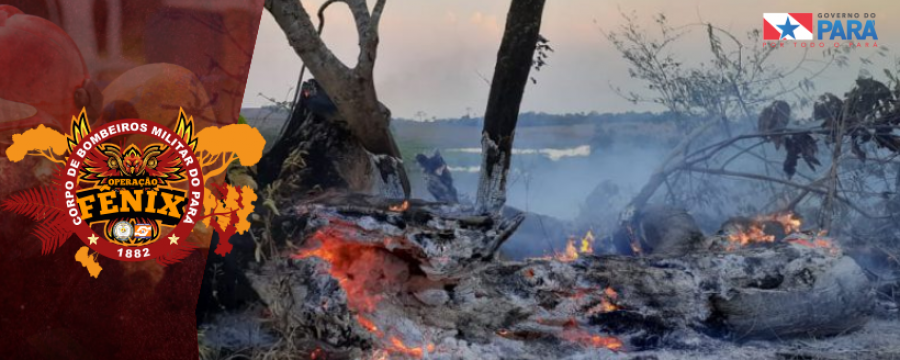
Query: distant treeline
[543,119]
[528,119]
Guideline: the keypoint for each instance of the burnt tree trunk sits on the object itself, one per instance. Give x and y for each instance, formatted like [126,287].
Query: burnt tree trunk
[514,61]
[318,153]
[351,89]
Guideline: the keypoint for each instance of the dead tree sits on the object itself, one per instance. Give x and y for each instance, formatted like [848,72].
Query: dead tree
[352,89]
[514,61]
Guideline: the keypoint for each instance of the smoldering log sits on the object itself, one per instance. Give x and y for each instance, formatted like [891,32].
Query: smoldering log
[446,240]
[660,230]
[443,280]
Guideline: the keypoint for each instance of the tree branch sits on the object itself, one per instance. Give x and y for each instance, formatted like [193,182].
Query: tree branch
[782,182]
[303,37]
[368,48]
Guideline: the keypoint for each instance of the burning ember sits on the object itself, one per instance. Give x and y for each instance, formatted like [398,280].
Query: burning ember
[607,302]
[371,275]
[368,325]
[585,338]
[397,346]
[400,208]
[573,251]
[744,232]
[352,266]
[365,273]
[759,229]
[819,241]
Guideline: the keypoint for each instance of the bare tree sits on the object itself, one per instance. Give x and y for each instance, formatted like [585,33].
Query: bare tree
[514,62]
[715,105]
[706,100]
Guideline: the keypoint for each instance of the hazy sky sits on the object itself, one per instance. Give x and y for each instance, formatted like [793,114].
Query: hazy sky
[435,53]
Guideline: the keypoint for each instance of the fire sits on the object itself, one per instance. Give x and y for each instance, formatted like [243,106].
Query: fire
[609,296]
[819,241]
[368,325]
[356,267]
[573,251]
[400,208]
[362,272]
[754,233]
[755,230]
[397,346]
[585,338]
[634,241]
[611,293]
[587,243]
[789,221]
[607,302]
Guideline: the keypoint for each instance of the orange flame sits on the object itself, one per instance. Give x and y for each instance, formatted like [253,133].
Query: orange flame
[789,221]
[572,252]
[368,325]
[398,347]
[350,273]
[755,231]
[400,208]
[356,267]
[607,302]
[585,338]
[817,241]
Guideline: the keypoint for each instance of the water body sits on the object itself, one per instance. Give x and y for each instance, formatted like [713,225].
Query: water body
[556,181]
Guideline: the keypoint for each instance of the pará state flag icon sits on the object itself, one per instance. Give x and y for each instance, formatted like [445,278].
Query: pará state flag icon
[787,26]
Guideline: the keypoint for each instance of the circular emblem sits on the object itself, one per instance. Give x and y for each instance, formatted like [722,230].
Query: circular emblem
[147,198]
[123,231]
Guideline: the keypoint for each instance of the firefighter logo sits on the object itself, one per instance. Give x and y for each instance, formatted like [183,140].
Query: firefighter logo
[124,231]
[133,189]
[132,192]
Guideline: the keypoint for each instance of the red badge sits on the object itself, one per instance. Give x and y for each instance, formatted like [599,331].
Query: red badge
[134,191]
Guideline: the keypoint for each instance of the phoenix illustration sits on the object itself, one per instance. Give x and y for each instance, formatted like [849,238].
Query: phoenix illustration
[108,161]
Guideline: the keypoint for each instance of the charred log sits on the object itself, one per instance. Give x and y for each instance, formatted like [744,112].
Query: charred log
[411,269]
[305,300]
[635,303]
[445,240]
[660,230]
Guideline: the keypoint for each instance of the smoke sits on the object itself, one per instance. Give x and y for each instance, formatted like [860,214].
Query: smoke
[554,171]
